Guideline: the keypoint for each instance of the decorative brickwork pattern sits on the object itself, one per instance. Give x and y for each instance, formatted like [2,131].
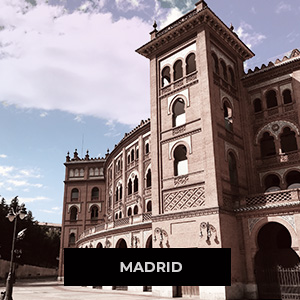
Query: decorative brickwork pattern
[184,199]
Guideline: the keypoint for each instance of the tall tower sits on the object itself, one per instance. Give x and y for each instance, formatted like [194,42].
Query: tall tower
[197,146]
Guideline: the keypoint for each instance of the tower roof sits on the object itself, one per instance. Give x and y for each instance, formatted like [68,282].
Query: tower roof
[201,15]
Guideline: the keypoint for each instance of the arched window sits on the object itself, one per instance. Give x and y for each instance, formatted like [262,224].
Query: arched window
[148,178]
[190,63]
[257,105]
[135,184]
[129,187]
[149,206]
[95,193]
[74,194]
[272,183]
[180,161]
[224,70]
[74,213]
[132,155]
[287,96]
[137,153]
[267,145]
[120,215]
[227,115]
[216,63]
[117,194]
[121,191]
[232,76]
[147,148]
[94,212]
[271,99]
[178,112]
[288,140]
[232,169]
[72,239]
[135,210]
[178,70]
[129,212]
[293,180]
[165,76]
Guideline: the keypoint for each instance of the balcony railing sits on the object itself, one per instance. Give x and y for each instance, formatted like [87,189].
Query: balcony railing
[292,156]
[135,219]
[270,200]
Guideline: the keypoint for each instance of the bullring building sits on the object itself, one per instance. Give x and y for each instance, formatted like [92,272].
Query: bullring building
[218,165]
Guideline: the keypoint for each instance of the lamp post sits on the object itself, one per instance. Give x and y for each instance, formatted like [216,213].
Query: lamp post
[12,216]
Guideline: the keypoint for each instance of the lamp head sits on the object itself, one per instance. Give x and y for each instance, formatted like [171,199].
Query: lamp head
[11,215]
[22,212]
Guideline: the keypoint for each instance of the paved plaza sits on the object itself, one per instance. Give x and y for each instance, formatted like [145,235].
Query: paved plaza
[29,290]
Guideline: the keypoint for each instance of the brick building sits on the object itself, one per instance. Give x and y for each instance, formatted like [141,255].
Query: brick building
[218,166]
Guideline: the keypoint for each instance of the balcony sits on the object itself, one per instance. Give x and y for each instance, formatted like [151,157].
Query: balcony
[284,198]
[123,222]
[179,84]
[290,157]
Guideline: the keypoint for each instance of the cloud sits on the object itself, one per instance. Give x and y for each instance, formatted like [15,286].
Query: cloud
[3,156]
[44,114]
[83,63]
[32,199]
[283,7]
[173,15]
[5,171]
[248,36]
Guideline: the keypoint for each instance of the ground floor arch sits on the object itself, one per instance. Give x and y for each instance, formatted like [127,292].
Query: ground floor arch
[121,244]
[276,264]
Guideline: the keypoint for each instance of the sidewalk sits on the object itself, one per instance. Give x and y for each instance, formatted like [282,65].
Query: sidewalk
[39,290]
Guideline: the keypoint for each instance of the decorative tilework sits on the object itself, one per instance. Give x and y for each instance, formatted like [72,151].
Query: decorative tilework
[184,199]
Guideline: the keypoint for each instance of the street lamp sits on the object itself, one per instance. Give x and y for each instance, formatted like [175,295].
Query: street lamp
[12,216]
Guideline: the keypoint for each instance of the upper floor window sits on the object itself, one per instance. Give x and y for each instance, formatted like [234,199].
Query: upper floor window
[95,193]
[224,70]
[288,140]
[165,76]
[190,63]
[232,76]
[135,184]
[272,183]
[72,239]
[147,148]
[178,70]
[74,194]
[148,178]
[178,112]
[94,212]
[216,63]
[287,96]
[227,115]
[271,98]
[180,161]
[74,213]
[232,169]
[129,186]
[293,180]
[257,105]
[132,155]
[267,145]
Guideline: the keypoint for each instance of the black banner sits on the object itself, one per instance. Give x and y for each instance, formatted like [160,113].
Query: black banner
[147,267]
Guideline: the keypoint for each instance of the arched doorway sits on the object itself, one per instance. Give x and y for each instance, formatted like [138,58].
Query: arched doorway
[149,242]
[121,244]
[276,263]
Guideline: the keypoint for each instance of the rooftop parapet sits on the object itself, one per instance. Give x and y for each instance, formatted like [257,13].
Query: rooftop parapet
[290,57]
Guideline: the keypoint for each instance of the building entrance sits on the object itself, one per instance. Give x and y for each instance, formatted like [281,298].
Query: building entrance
[187,291]
[277,267]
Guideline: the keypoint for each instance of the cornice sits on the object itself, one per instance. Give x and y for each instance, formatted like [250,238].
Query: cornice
[187,24]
